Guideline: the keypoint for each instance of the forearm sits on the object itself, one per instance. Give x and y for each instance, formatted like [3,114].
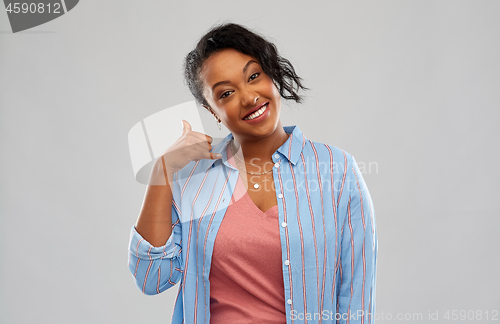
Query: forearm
[154,223]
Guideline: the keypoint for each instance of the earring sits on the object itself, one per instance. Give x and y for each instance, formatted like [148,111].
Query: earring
[218,123]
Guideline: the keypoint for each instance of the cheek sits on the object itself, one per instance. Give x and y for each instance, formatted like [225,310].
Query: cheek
[227,112]
[273,89]
[276,95]
[276,92]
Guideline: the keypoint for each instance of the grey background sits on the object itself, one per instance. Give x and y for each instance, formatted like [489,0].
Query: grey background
[409,85]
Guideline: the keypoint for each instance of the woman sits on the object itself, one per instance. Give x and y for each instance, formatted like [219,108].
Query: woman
[265,227]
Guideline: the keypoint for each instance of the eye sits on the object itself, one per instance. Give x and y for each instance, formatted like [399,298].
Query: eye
[225,94]
[253,76]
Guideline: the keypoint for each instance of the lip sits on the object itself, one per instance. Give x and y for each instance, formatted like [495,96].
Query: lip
[262,117]
[256,108]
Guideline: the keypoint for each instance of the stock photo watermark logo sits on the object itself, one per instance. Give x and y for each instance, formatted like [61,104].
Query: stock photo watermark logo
[28,14]
[159,135]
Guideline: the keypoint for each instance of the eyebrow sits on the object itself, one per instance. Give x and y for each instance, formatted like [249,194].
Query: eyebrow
[244,70]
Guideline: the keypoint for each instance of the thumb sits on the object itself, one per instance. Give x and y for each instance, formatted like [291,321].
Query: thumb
[186,127]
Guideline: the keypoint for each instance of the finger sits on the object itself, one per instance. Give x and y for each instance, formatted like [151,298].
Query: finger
[203,154]
[202,146]
[186,127]
[200,137]
[214,156]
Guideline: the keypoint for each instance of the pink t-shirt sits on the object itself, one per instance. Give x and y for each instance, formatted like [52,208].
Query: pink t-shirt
[246,275]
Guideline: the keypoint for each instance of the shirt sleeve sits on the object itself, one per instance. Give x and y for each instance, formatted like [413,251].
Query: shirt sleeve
[356,292]
[156,269]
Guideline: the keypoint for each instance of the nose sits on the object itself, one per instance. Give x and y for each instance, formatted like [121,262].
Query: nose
[249,97]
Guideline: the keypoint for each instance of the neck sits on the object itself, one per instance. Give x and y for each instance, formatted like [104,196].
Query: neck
[259,150]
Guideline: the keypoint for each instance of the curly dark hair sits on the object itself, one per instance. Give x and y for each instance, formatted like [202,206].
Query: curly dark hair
[235,36]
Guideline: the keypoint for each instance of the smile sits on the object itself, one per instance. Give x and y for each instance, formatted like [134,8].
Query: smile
[257,113]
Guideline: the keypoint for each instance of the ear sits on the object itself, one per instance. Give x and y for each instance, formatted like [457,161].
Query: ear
[209,109]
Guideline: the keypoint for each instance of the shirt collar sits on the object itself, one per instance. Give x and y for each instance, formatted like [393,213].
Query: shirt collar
[291,149]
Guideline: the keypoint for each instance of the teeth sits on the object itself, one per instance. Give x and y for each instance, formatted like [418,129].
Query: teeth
[257,113]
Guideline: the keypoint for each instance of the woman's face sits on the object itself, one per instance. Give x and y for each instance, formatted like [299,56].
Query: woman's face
[235,87]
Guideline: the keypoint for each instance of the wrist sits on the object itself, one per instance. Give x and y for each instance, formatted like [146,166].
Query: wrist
[161,172]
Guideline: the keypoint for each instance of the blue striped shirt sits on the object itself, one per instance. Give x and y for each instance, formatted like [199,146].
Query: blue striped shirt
[327,231]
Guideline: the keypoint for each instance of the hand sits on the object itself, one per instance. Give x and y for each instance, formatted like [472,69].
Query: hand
[190,146]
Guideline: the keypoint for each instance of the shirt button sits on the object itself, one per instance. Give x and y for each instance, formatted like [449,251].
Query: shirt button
[287,262]
[280,196]
[276,164]
[289,302]
[283,224]
[276,156]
